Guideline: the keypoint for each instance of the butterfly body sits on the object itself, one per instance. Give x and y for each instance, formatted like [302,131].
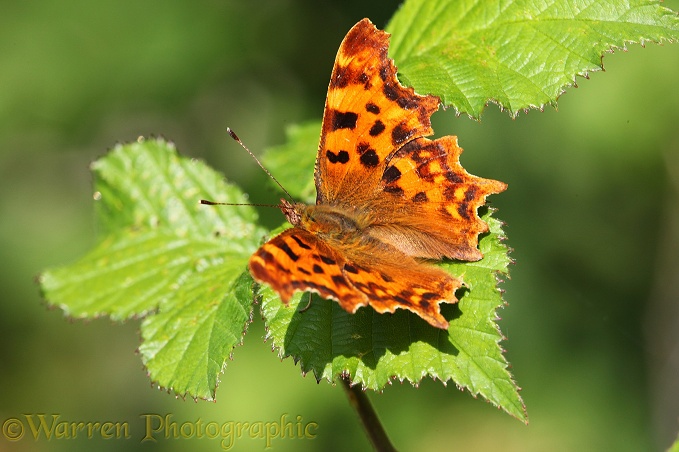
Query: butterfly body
[389,201]
[329,223]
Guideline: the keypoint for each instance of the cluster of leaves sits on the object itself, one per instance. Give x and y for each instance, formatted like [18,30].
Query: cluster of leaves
[182,266]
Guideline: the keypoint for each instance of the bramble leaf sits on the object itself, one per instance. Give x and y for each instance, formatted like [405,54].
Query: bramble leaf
[164,256]
[520,54]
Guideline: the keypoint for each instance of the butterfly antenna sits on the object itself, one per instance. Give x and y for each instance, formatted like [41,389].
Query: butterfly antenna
[214,203]
[235,137]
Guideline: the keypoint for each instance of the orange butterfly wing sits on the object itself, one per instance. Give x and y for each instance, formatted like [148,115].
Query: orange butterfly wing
[387,198]
[297,260]
[372,153]
[368,115]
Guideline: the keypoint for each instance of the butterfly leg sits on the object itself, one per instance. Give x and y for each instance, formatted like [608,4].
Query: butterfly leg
[308,305]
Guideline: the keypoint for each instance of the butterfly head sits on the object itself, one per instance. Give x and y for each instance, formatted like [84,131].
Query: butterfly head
[292,211]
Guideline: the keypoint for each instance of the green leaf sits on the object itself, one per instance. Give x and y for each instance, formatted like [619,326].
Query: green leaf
[292,163]
[127,275]
[371,349]
[167,257]
[519,54]
[146,185]
[186,342]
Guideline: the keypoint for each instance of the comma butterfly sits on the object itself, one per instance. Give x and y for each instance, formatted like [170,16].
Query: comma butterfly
[388,201]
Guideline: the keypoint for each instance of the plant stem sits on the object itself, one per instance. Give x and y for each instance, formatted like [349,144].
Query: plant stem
[371,423]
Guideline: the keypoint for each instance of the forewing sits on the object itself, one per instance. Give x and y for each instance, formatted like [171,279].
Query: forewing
[368,115]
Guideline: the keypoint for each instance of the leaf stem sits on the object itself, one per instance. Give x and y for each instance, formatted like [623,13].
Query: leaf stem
[371,423]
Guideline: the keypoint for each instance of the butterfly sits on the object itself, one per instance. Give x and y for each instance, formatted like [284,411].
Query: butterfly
[389,201]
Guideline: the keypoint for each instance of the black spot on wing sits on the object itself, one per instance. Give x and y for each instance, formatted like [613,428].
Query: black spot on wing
[391,174]
[403,301]
[385,73]
[343,120]
[449,193]
[370,159]
[377,128]
[260,271]
[301,244]
[364,80]
[350,268]
[327,260]
[394,190]
[452,177]
[420,197]
[386,278]
[340,157]
[372,108]
[463,210]
[407,103]
[341,77]
[400,134]
[470,193]
[266,256]
[339,280]
[286,249]
[390,91]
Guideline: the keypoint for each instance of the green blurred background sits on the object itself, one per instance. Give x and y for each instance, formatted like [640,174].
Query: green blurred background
[591,212]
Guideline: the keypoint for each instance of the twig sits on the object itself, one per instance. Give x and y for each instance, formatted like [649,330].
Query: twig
[371,423]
